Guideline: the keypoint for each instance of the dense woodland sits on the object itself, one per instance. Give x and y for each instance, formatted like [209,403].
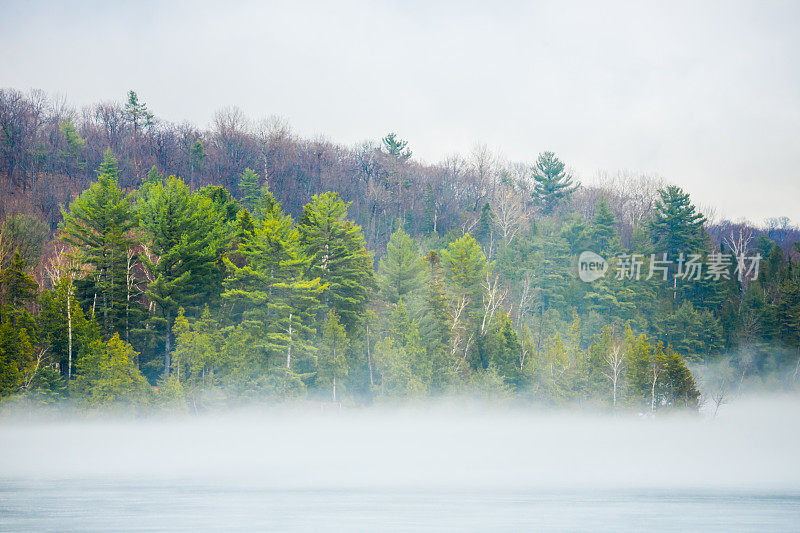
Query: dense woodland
[159,265]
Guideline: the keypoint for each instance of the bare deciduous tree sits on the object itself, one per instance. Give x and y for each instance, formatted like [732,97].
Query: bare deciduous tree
[615,362]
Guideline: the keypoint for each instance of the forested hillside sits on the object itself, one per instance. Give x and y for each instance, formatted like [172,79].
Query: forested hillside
[157,264]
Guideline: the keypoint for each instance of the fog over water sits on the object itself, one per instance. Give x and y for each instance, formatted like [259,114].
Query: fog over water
[751,444]
[427,467]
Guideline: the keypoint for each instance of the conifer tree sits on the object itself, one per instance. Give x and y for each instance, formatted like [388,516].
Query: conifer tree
[137,113]
[97,226]
[183,231]
[676,226]
[433,323]
[250,188]
[332,357]
[466,266]
[279,303]
[552,183]
[396,147]
[401,271]
[338,257]
[603,231]
[107,374]
[17,327]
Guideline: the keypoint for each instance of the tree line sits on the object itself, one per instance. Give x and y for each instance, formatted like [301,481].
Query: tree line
[166,291]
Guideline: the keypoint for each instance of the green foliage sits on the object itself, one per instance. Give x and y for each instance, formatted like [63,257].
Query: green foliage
[676,226]
[73,146]
[396,147]
[98,226]
[23,234]
[185,236]
[249,187]
[401,271]
[137,113]
[332,356]
[552,184]
[107,375]
[56,325]
[466,267]
[276,299]
[338,257]
[197,155]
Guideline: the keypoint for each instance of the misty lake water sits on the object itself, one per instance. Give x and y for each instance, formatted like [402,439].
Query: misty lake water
[414,469]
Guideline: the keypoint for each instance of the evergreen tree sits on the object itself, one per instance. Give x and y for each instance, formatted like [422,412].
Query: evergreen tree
[73,147]
[552,184]
[278,302]
[250,188]
[109,166]
[17,327]
[434,323]
[401,271]
[604,238]
[63,328]
[396,147]
[153,176]
[98,227]
[198,348]
[183,231]
[338,257]
[501,349]
[332,357]
[107,374]
[466,267]
[197,156]
[137,113]
[676,226]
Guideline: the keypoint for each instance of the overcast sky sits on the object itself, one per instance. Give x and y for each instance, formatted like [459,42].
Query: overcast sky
[706,95]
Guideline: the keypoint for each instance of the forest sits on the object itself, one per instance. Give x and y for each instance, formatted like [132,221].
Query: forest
[156,265]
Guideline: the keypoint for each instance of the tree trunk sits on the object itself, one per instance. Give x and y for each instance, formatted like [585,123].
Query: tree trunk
[69,331]
[167,362]
[289,349]
[653,392]
[334,388]
[369,360]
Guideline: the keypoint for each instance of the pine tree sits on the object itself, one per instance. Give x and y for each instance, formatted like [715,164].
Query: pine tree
[676,226]
[552,184]
[153,176]
[466,266]
[500,348]
[183,231]
[405,333]
[17,327]
[279,303]
[433,323]
[197,156]
[62,326]
[198,348]
[604,238]
[73,147]
[107,374]
[137,112]
[338,257]
[332,358]
[250,188]
[98,226]
[401,271]
[395,147]
[109,166]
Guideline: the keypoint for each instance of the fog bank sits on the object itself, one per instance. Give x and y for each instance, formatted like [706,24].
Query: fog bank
[751,445]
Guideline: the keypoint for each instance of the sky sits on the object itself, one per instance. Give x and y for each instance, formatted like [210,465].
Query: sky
[703,94]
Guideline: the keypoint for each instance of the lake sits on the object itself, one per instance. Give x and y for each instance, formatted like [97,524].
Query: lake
[426,468]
